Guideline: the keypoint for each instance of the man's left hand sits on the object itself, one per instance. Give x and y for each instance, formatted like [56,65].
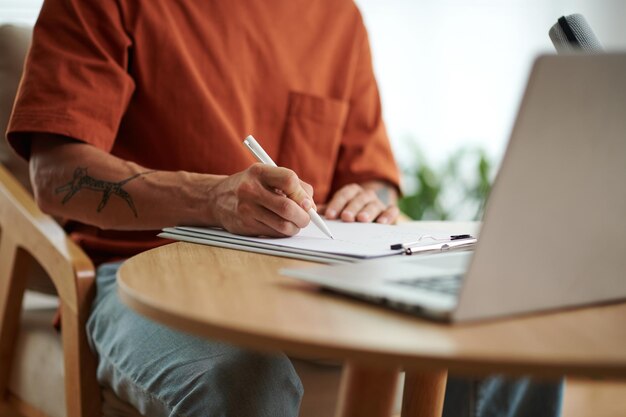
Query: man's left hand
[368,202]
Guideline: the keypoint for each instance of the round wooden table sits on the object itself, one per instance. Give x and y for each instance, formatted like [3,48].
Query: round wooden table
[241,298]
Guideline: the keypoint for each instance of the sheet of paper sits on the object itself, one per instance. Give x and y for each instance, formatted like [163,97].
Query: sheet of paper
[352,239]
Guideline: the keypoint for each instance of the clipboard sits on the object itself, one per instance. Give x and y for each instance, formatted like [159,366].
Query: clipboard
[455,242]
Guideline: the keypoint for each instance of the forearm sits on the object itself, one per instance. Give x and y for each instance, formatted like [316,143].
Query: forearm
[80,182]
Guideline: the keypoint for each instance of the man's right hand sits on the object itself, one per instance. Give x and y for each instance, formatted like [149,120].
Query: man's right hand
[262,200]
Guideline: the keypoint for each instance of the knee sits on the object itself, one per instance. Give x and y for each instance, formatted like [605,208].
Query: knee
[243,383]
[267,382]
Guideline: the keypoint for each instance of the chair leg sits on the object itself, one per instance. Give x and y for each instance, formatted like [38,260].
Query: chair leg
[6,410]
[18,408]
[13,264]
[82,392]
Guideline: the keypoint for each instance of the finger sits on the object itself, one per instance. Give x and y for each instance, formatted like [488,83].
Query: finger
[261,229]
[279,226]
[249,225]
[285,208]
[285,180]
[308,188]
[340,199]
[389,215]
[370,211]
[357,204]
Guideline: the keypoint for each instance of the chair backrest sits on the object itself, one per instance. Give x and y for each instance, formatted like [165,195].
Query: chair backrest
[28,235]
[14,43]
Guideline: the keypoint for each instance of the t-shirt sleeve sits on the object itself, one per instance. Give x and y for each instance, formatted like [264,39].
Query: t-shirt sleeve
[365,153]
[75,80]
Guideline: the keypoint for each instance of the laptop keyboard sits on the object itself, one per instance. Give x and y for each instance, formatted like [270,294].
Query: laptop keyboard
[450,284]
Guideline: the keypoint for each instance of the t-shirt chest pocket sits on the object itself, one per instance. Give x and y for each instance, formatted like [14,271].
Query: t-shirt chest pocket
[311,139]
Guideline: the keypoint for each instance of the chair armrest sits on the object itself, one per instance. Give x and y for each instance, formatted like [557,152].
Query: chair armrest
[25,226]
[27,234]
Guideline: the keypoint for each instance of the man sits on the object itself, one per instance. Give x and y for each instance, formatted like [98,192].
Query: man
[132,114]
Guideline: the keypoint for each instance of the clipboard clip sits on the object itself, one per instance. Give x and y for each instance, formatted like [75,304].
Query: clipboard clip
[455,242]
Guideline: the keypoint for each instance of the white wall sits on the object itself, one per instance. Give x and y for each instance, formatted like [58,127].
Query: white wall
[19,11]
[451,72]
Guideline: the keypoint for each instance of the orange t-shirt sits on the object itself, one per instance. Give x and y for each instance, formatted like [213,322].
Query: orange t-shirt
[177,85]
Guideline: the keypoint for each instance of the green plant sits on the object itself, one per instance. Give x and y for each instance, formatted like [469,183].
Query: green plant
[456,189]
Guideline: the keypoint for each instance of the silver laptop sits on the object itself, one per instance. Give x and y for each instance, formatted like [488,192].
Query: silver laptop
[554,231]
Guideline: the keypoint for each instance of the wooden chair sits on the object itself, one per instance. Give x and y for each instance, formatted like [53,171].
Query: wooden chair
[28,236]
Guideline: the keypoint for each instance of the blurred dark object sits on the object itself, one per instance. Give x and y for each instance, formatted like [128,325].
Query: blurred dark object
[573,33]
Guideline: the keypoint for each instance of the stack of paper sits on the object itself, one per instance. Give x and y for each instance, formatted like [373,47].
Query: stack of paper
[353,241]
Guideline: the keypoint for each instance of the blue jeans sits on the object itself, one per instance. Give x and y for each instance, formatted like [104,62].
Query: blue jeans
[498,396]
[163,372]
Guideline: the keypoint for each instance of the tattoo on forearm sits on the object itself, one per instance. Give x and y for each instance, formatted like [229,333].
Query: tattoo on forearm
[383,195]
[83,181]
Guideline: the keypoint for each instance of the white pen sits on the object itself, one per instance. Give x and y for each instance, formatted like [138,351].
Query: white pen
[264,158]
